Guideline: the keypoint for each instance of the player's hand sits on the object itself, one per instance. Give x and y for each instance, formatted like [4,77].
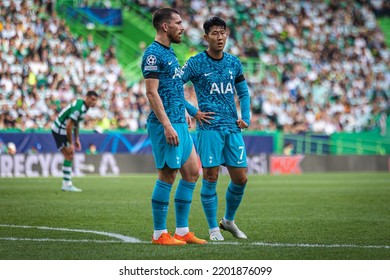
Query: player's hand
[171,136]
[241,124]
[204,117]
[77,145]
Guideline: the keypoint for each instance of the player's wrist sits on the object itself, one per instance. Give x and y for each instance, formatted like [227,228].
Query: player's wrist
[166,125]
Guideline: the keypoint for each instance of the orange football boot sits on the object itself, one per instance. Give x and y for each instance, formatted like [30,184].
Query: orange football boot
[166,239]
[190,238]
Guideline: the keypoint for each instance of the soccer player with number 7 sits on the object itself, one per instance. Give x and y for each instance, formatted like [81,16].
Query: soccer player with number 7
[215,74]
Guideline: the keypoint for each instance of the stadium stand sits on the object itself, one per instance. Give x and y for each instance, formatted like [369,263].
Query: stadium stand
[43,67]
[330,61]
[319,66]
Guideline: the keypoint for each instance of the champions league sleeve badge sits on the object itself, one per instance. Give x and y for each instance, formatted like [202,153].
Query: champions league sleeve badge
[151,62]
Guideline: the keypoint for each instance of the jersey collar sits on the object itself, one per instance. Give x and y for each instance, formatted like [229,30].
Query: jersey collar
[162,45]
[223,55]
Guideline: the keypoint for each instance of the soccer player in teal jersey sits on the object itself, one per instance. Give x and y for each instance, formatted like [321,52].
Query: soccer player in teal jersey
[167,126]
[216,76]
[63,128]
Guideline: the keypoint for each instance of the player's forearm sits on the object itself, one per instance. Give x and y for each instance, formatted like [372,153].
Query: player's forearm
[243,95]
[76,132]
[158,108]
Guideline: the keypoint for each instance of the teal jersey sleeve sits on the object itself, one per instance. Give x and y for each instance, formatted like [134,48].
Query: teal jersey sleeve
[192,110]
[243,96]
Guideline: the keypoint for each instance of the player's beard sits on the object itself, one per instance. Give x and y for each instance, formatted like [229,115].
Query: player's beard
[175,38]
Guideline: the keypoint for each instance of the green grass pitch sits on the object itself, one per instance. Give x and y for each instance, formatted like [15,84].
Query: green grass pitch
[293,217]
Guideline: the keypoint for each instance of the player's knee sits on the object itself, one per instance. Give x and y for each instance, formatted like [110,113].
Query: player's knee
[241,181]
[195,177]
[68,155]
[169,179]
[239,178]
[211,177]
[167,176]
[192,176]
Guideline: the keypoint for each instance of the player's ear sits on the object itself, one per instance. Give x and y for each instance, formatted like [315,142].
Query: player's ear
[205,37]
[164,26]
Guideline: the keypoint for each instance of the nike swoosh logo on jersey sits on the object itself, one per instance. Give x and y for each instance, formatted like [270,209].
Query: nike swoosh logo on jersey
[170,62]
[207,74]
[239,162]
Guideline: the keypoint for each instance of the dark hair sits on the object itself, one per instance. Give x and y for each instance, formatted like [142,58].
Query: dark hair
[92,93]
[163,15]
[213,21]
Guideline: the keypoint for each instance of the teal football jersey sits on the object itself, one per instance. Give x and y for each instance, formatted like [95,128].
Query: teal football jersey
[214,82]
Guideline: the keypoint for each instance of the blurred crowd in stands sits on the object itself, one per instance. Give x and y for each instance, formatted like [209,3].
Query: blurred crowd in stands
[322,66]
[43,67]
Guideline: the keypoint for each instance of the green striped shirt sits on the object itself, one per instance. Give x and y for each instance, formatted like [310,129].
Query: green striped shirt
[75,111]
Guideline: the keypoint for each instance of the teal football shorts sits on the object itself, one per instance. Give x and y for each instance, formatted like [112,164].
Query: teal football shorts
[216,147]
[165,154]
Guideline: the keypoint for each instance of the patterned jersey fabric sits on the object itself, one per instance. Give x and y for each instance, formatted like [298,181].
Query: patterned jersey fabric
[160,62]
[214,82]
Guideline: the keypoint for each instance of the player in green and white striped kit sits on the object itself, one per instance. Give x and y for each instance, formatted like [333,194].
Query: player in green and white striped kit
[63,128]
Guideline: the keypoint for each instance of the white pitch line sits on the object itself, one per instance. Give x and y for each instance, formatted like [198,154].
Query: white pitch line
[322,245]
[267,244]
[128,239]
[121,237]
[60,240]
[264,244]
